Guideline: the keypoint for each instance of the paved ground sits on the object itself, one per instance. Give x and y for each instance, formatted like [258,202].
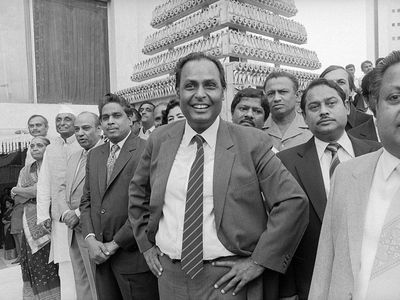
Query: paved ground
[10,279]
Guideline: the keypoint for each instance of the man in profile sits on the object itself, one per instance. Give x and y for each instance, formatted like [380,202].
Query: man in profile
[215,213]
[250,108]
[159,110]
[285,126]
[146,110]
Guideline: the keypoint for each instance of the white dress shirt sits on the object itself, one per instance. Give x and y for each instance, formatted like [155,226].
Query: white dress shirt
[345,153]
[385,183]
[170,231]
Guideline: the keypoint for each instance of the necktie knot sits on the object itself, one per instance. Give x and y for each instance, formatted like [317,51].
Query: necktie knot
[198,139]
[114,149]
[333,147]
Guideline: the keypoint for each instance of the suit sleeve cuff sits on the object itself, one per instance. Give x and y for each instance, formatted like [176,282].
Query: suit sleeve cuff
[89,235]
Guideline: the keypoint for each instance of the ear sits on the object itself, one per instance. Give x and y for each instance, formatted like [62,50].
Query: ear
[347,106]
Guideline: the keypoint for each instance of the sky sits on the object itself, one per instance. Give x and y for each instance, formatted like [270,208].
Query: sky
[336,29]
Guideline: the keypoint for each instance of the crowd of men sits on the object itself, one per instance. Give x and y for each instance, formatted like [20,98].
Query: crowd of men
[293,199]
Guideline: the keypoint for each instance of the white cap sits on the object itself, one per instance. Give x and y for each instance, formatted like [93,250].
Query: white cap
[65,109]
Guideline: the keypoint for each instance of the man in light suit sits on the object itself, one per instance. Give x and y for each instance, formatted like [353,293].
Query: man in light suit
[358,251]
[88,135]
[121,270]
[325,108]
[244,213]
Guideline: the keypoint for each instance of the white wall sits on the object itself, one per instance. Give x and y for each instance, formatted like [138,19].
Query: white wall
[15,116]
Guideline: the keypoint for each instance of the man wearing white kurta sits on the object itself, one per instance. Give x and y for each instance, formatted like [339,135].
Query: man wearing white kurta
[51,193]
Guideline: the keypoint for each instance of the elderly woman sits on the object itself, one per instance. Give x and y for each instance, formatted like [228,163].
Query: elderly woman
[40,278]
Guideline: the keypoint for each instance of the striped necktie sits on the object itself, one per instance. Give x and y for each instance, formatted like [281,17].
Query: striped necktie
[192,241]
[111,161]
[333,148]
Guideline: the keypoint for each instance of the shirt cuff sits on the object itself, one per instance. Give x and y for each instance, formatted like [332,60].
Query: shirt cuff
[78,213]
[90,234]
[63,215]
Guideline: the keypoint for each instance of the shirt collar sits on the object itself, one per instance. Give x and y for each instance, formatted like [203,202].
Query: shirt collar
[209,135]
[120,143]
[343,141]
[150,130]
[99,142]
[389,163]
[69,140]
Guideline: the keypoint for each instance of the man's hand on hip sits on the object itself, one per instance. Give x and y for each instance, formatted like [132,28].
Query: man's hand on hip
[243,270]
[151,255]
[97,251]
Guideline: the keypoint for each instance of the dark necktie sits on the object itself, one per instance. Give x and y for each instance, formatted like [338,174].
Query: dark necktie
[333,148]
[192,241]
[111,161]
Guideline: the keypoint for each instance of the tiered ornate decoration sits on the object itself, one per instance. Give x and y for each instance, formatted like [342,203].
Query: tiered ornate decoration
[253,37]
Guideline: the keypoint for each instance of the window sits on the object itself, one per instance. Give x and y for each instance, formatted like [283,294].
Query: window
[398,38]
[393,24]
[71,50]
[393,38]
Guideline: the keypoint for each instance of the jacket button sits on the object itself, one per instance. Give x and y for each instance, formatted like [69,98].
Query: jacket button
[103,211]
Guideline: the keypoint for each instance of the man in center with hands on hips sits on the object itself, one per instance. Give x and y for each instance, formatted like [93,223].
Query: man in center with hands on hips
[215,213]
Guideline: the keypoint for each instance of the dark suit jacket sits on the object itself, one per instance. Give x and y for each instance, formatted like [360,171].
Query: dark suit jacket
[356,117]
[104,208]
[302,161]
[365,131]
[245,171]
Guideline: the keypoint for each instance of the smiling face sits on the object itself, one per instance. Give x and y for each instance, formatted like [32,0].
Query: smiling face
[249,112]
[281,96]
[115,122]
[200,93]
[65,124]
[388,110]
[325,113]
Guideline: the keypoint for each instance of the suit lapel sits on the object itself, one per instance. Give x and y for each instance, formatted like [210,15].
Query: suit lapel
[70,174]
[123,158]
[223,162]
[309,170]
[101,167]
[166,157]
[361,180]
[80,174]
[359,146]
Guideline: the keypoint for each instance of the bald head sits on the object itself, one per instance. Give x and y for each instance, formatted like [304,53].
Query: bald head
[87,130]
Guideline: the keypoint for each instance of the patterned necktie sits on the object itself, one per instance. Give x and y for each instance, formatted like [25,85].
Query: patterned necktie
[111,161]
[333,148]
[192,241]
